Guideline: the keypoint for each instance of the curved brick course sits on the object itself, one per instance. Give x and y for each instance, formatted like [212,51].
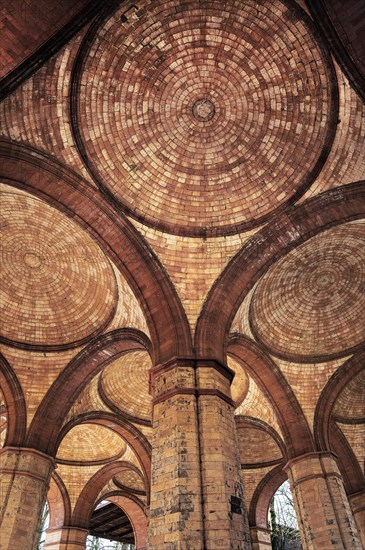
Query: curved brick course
[311,303]
[217,116]
[57,289]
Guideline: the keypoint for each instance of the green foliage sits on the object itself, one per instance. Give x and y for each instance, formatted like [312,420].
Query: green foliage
[42,527]
[284,525]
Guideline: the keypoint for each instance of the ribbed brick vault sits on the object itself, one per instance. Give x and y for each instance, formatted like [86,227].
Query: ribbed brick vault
[182,182]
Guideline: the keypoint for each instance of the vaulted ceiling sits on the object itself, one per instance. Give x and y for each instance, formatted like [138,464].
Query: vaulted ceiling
[180,178]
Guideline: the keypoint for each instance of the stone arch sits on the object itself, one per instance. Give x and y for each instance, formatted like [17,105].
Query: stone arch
[327,434]
[330,393]
[88,496]
[58,502]
[353,477]
[135,512]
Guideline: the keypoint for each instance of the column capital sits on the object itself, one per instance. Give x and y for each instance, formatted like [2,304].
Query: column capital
[190,376]
[66,538]
[310,456]
[26,462]
[174,377]
[195,363]
[223,369]
[260,538]
[357,501]
[28,451]
[312,465]
[25,475]
[323,510]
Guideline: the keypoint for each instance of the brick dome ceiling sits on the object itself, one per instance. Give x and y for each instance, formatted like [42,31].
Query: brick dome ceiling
[57,287]
[310,305]
[124,386]
[182,191]
[88,443]
[216,116]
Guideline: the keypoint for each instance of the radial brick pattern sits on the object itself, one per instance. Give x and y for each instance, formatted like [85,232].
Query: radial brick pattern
[57,287]
[202,117]
[312,302]
[125,384]
[130,479]
[89,442]
[351,401]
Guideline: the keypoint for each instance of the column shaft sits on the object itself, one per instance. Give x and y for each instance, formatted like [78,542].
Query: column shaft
[175,510]
[225,517]
[24,480]
[197,499]
[324,514]
[357,503]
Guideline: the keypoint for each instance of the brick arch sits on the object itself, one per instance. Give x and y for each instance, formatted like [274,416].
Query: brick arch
[48,420]
[58,503]
[134,510]
[260,502]
[243,422]
[296,433]
[341,377]
[15,404]
[353,477]
[272,242]
[89,494]
[37,173]
[125,429]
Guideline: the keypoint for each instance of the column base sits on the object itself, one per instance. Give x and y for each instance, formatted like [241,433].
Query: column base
[260,538]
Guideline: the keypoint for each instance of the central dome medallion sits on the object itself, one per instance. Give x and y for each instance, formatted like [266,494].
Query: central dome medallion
[203,118]
[203,110]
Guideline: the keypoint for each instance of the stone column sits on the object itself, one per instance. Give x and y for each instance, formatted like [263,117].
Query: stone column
[24,481]
[175,518]
[323,510]
[357,503]
[260,538]
[66,538]
[225,517]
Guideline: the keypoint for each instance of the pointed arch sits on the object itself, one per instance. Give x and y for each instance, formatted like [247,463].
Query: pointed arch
[340,378]
[32,170]
[277,238]
[296,433]
[51,413]
[15,404]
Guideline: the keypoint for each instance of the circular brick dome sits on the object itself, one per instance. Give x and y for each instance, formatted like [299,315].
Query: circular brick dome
[90,443]
[311,303]
[125,385]
[203,118]
[57,288]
